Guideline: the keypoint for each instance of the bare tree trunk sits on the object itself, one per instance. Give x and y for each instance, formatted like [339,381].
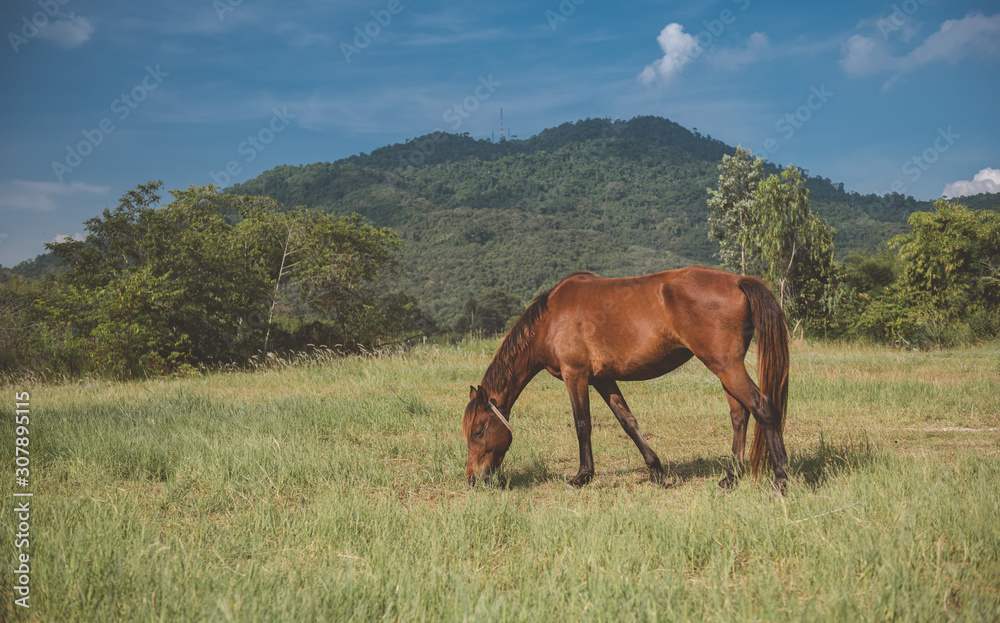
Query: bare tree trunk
[277,287]
[784,278]
[743,252]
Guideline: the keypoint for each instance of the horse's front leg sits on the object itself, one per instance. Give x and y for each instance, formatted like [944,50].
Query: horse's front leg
[579,397]
[612,395]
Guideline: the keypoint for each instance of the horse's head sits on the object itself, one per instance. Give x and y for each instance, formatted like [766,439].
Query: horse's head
[488,434]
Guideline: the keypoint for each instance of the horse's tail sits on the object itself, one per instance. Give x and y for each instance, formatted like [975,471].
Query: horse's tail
[772,360]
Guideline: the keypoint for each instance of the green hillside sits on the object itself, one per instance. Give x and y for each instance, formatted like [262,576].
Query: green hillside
[616,197]
[982,201]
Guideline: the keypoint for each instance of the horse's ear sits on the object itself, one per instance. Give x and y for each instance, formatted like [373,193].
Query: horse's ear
[481,395]
[472,393]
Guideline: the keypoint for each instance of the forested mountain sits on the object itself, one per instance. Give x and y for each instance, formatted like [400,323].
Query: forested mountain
[982,201]
[615,197]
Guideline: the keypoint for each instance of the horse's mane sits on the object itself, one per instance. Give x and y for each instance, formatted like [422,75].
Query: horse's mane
[501,369]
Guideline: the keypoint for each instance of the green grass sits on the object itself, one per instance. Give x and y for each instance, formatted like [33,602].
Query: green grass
[335,490]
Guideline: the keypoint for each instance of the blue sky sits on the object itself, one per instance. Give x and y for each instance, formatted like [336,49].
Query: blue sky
[100,96]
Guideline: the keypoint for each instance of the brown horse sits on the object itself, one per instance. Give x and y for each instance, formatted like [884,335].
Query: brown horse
[589,330]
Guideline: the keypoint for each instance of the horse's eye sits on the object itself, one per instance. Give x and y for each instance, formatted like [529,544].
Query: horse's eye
[479,433]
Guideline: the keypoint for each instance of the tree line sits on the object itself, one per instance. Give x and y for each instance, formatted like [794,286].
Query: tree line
[208,278]
[460,244]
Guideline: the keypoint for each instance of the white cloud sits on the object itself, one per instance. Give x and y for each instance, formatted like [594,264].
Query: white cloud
[66,237]
[864,56]
[67,31]
[986,181]
[678,50]
[757,47]
[487,34]
[42,196]
[955,40]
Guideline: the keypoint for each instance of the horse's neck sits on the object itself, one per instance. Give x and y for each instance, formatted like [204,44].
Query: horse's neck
[505,383]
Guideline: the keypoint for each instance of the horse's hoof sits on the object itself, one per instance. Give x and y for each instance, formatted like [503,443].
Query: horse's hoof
[727,483]
[780,488]
[658,479]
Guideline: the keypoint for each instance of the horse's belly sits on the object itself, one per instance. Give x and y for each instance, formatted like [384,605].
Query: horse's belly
[641,369]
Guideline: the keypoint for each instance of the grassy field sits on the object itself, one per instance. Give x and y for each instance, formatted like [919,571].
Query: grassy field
[335,490]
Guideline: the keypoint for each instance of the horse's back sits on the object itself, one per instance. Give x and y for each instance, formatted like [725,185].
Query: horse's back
[639,327]
[694,289]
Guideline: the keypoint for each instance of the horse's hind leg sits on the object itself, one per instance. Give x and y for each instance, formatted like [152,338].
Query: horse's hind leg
[740,386]
[739,415]
[613,396]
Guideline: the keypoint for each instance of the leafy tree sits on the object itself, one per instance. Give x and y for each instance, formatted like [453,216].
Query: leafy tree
[167,284]
[952,258]
[766,227]
[196,280]
[333,264]
[941,288]
[872,274]
[115,241]
[16,321]
[731,218]
[796,246]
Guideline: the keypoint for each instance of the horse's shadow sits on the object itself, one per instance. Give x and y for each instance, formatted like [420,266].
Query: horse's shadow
[813,467]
